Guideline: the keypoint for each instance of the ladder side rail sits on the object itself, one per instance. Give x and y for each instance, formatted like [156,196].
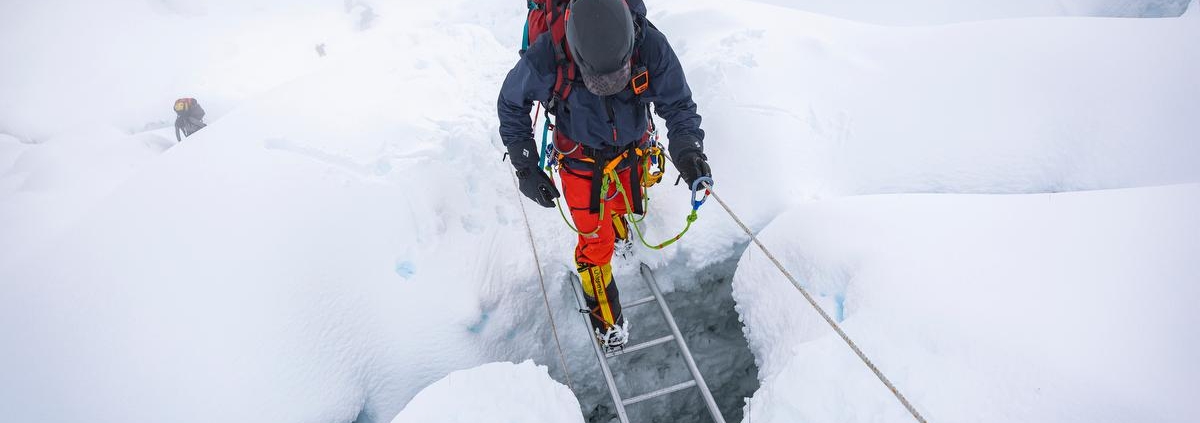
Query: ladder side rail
[608,377]
[648,277]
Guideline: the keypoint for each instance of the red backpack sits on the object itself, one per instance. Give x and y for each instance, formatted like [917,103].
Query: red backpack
[547,15]
[550,16]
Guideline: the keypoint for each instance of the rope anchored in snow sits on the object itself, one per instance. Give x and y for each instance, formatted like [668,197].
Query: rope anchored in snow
[546,297]
[836,328]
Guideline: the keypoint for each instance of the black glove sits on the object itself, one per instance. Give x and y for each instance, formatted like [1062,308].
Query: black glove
[523,153]
[688,154]
[537,186]
[533,182]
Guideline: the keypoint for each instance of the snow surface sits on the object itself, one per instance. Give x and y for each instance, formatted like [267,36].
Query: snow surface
[250,273]
[46,187]
[343,234]
[495,392]
[924,12]
[1073,307]
[122,62]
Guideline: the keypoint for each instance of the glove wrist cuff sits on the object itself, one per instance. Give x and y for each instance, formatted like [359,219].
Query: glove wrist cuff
[523,154]
[686,146]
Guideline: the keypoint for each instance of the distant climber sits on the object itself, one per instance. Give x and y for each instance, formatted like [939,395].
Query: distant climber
[189,117]
[321,49]
[597,66]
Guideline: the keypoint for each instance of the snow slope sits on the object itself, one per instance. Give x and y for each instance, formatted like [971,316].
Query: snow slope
[47,187]
[275,268]
[1020,106]
[1074,307]
[121,63]
[925,12]
[344,235]
[496,392]
[1007,106]
[1000,106]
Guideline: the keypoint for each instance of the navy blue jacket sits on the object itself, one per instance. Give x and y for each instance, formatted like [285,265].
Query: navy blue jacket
[585,119]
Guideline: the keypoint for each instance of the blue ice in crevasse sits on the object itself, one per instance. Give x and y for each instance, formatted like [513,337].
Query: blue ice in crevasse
[839,313]
[478,326]
[382,168]
[406,269]
[839,306]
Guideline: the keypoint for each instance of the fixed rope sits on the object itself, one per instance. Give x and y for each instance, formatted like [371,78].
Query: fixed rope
[836,328]
[545,297]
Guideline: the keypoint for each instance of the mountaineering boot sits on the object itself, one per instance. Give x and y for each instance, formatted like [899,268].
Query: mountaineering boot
[623,245]
[604,304]
[615,338]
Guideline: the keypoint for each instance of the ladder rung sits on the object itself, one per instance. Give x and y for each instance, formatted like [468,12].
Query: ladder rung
[649,299]
[641,346]
[659,393]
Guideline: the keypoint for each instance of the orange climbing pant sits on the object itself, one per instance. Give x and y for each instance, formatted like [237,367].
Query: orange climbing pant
[596,249]
[593,253]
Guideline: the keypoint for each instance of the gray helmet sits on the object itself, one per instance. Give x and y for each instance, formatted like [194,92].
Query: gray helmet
[600,35]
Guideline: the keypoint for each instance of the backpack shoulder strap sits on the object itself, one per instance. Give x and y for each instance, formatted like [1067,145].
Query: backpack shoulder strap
[640,25]
[640,79]
[566,71]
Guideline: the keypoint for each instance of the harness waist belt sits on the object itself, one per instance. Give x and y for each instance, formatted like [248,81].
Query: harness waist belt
[580,158]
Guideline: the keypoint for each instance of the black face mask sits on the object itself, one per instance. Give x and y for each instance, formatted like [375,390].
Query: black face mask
[608,83]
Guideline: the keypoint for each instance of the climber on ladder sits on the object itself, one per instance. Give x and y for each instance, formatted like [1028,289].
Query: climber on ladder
[604,141]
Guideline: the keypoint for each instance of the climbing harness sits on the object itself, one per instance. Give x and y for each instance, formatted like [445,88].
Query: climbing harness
[545,297]
[824,315]
[610,177]
[650,161]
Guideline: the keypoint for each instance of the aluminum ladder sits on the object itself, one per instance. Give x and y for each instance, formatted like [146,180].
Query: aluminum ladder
[697,380]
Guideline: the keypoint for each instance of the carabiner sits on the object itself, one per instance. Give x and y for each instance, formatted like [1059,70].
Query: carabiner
[702,182]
